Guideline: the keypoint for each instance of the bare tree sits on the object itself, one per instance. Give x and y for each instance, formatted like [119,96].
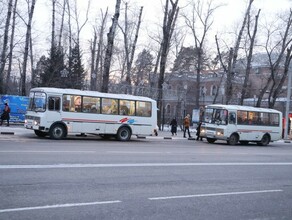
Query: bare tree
[200,23]
[11,46]
[252,37]
[53,24]
[77,20]
[130,45]
[26,48]
[169,20]
[279,56]
[100,51]
[109,49]
[62,23]
[4,45]
[233,54]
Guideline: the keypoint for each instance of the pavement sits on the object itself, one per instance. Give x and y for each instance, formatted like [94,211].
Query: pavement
[19,129]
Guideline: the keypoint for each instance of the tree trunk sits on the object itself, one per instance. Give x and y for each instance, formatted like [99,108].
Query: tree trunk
[4,46]
[62,23]
[26,48]
[11,47]
[109,49]
[92,66]
[99,56]
[168,25]
[233,59]
[249,57]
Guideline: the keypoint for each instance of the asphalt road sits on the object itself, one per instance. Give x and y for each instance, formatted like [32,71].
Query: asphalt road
[151,178]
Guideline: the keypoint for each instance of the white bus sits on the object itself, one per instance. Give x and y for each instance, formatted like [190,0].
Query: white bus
[243,124]
[57,112]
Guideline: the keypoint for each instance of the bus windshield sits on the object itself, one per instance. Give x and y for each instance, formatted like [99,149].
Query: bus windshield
[215,116]
[37,102]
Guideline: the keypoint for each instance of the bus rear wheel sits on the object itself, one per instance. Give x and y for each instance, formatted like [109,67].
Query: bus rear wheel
[57,132]
[124,134]
[265,140]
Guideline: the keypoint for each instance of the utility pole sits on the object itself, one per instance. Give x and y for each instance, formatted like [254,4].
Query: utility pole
[288,102]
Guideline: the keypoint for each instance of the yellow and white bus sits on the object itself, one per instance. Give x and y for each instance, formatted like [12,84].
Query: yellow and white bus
[243,124]
[58,112]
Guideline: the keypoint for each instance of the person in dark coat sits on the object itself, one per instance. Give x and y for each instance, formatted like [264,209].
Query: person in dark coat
[198,132]
[6,114]
[173,125]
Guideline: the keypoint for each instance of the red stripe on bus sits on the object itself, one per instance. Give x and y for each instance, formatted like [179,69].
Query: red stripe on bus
[248,131]
[85,120]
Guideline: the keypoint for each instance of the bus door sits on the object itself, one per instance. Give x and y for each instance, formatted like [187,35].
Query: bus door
[54,108]
[231,123]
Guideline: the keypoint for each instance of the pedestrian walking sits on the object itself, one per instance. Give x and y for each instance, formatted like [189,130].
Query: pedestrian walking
[173,125]
[187,124]
[6,114]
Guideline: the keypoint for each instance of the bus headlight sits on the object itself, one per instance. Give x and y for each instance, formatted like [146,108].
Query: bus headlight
[36,121]
[219,132]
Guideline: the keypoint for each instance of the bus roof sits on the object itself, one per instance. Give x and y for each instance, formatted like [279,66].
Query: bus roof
[242,107]
[90,93]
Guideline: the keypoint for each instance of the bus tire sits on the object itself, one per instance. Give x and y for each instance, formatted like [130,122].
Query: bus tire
[233,139]
[124,134]
[40,133]
[265,140]
[211,140]
[57,132]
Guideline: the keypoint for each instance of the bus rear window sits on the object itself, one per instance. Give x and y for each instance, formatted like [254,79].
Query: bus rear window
[143,109]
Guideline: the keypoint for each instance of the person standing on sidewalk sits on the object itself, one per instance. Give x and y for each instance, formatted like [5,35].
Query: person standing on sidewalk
[6,114]
[173,125]
[199,131]
[187,124]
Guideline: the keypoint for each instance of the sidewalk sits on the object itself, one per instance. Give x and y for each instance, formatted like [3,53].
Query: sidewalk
[13,129]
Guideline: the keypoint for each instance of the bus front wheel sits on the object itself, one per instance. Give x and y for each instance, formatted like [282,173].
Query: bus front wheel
[265,140]
[233,139]
[124,134]
[211,140]
[40,133]
[57,132]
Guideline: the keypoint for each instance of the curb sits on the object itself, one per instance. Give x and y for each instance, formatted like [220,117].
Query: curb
[6,132]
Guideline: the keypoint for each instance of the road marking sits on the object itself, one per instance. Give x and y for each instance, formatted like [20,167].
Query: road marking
[215,194]
[84,152]
[54,166]
[140,152]
[58,206]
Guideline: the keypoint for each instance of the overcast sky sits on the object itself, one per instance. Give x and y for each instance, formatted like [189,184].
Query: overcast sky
[225,17]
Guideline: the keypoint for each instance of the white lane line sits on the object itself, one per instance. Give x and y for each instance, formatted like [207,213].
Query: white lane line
[59,206]
[215,194]
[84,152]
[140,152]
[54,166]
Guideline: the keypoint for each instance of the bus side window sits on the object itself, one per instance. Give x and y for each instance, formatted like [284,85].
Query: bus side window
[54,103]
